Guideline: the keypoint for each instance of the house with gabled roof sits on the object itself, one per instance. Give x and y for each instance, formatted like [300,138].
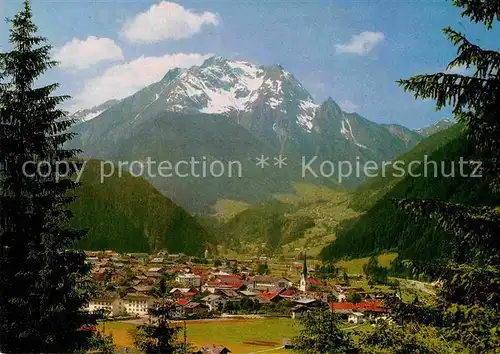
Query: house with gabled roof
[177,293]
[288,294]
[266,297]
[229,294]
[214,349]
[109,302]
[189,280]
[214,302]
[349,307]
[137,303]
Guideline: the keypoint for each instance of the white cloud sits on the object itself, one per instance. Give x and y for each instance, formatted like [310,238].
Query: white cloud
[361,43]
[459,70]
[122,80]
[164,21]
[81,54]
[348,106]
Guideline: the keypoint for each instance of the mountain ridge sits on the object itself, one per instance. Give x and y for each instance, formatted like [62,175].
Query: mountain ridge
[265,106]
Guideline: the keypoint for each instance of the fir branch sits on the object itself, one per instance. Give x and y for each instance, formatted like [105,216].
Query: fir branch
[485,11]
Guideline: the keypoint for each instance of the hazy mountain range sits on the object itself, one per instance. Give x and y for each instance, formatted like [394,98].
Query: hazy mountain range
[234,111]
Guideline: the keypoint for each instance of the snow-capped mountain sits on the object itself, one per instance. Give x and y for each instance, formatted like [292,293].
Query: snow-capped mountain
[84,115]
[233,110]
[442,124]
[237,88]
[265,99]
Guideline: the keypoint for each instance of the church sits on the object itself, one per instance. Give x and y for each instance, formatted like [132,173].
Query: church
[304,280]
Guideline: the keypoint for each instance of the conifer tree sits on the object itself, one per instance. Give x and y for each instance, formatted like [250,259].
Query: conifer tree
[468,306]
[42,291]
[159,336]
[321,334]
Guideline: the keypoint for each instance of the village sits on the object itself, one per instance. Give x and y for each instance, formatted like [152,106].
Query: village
[130,284]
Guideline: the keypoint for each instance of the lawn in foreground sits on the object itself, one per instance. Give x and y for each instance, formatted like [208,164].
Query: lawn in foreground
[240,336]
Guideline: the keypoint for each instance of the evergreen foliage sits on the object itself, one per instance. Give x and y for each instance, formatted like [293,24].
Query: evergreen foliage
[468,307]
[375,273]
[42,286]
[127,214]
[267,223]
[159,336]
[321,334]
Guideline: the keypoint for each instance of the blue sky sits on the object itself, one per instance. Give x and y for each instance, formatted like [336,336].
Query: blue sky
[404,39]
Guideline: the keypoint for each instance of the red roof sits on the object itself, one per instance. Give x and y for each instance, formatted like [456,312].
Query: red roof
[183,302]
[361,306]
[200,271]
[268,296]
[213,283]
[219,284]
[228,278]
[288,293]
[315,281]
[87,328]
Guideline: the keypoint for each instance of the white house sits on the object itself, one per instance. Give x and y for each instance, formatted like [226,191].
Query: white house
[356,318]
[109,302]
[189,280]
[267,283]
[342,297]
[136,303]
[214,302]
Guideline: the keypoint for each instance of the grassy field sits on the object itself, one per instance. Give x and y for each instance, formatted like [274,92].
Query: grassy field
[325,207]
[355,266]
[240,336]
[226,208]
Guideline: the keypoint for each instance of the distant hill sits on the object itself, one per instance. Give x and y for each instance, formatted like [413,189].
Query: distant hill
[127,214]
[382,227]
[302,220]
[443,124]
[267,226]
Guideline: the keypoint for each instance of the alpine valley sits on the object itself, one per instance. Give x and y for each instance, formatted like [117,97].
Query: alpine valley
[234,111]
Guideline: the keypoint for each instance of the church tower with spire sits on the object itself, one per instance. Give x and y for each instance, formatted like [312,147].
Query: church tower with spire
[304,282]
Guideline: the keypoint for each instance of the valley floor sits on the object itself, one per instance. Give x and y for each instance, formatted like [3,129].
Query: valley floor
[249,336]
[239,335]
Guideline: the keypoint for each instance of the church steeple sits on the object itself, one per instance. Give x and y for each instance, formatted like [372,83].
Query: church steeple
[304,282]
[304,267]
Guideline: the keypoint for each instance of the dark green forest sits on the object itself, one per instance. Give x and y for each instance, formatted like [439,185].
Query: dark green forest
[383,227]
[127,214]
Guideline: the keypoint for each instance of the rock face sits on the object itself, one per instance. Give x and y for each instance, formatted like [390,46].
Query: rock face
[233,109]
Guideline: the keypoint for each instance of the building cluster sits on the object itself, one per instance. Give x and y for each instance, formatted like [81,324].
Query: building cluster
[131,285]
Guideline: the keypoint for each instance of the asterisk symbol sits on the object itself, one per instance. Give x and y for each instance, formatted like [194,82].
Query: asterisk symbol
[280,161]
[262,161]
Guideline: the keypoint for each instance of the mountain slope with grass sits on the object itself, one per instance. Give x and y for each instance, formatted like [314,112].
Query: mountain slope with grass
[127,214]
[209,139]
[303,220]
[382,227]
[443,124]
[233,111]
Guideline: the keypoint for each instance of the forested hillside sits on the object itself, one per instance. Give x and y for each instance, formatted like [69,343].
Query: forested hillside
[127,214]
[384,227]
